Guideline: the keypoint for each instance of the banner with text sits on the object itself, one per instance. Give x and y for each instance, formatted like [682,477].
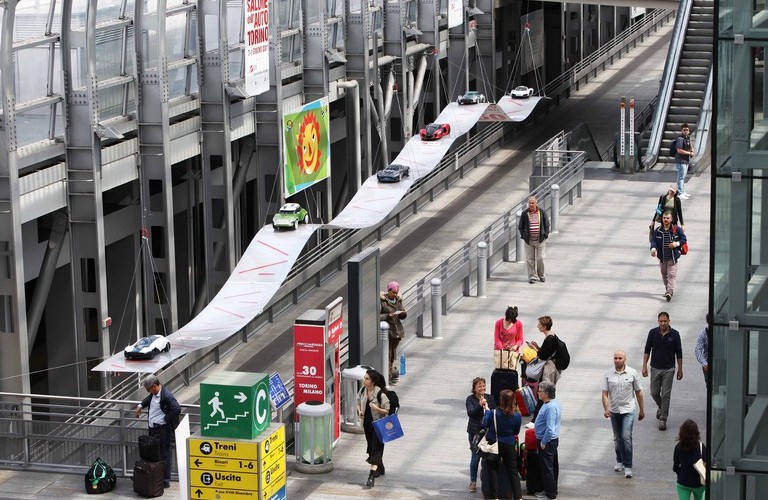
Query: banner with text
[256,46]
[455,13]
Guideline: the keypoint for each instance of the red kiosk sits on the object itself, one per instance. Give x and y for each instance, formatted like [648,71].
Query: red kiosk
[316,362]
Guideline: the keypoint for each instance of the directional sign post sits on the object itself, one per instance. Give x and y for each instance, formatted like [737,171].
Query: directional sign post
[234,405]
[237,468]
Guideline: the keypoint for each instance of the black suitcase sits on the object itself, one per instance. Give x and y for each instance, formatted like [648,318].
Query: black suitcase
[504,489]
[503,379]
[148,478]
[533,481]
[149,448]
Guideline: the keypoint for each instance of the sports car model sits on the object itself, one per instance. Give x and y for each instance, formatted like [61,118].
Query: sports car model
[521,92]
[471,97]
[393,173]
[147,347]
[289,216]
[435,131]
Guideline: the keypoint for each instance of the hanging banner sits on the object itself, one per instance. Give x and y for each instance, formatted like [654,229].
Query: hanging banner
[455,13]
[307,146]
[256,46]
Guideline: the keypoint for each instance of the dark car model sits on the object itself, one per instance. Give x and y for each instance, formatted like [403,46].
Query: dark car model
[393,173]
[435,131]
[471,97]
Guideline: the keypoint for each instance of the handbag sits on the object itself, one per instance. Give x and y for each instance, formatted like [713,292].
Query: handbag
[700,466]
[505,359]
[529,354]
[388,428]
[486,449]
[535,369]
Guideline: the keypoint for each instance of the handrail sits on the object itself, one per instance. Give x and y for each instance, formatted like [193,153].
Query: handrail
[668,79]
[705,120]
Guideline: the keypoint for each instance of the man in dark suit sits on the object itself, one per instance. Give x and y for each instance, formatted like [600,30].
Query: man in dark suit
[162,418]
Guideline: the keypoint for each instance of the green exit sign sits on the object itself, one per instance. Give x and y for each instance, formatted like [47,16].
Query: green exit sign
[234,405]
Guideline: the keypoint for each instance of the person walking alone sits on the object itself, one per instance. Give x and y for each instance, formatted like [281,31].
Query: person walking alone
[683,154]
[702,350]
[663,348]
[373,404]
[534,230]
[688,451]
[665,245]
[622,395]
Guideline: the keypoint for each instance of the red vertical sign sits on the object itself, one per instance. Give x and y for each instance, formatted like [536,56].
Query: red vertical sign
[308,363]
[334,333]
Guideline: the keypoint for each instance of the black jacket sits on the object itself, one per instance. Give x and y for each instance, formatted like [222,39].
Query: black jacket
[168,405]
[524,226]
[677,213]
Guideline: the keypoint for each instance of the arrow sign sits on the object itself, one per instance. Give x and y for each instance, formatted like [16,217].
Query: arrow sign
[199,493]
[241,397]
[197,462]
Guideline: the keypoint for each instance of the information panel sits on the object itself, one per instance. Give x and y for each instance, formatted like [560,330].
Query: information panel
[309,363]
[236,468]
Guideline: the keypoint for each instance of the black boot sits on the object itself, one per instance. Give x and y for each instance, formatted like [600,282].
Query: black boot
[371,479]
[380,471]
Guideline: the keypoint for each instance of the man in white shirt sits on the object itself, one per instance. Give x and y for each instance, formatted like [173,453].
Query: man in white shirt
[622,394]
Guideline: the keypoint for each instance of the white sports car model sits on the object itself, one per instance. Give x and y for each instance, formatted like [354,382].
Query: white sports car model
[521,92]
[147,347]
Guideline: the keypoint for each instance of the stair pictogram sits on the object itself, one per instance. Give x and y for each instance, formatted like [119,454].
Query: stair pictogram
[228,419]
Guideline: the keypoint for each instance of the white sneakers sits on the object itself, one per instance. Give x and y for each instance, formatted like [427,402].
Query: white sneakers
[627,472]
[618,467]
[685,196]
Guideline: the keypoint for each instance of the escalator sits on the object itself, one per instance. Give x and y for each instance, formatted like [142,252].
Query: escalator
[686,96]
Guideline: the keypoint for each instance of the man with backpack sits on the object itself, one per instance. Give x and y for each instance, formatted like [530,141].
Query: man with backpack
[666,244]
[683,151]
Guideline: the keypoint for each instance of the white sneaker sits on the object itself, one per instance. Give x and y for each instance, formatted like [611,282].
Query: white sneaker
[541,494]
[627,472]
[685,196]
[618,467]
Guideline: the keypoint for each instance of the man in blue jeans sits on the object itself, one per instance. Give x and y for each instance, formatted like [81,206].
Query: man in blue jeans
[683,154]
[622,394]
[547,428]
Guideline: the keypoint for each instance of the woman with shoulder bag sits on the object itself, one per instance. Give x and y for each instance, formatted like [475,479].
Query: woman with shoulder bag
[503,425]
[688,451]
[669,202]
[476,404]
[373,404]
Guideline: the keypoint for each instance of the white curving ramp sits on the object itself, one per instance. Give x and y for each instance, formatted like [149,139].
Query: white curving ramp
[271,254]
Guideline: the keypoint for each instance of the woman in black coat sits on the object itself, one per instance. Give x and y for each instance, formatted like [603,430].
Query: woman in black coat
[669,202]
[476,403]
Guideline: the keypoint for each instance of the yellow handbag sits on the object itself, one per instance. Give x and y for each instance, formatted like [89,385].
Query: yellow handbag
[529,353]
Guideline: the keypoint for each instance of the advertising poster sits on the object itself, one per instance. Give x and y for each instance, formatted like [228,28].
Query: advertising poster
[308,363]
[532,41]
[256,46]
[455,13]
[307,146]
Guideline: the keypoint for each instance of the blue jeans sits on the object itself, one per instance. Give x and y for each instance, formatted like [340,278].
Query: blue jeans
[682,170]
[550,468]
[474,462]
[622,437]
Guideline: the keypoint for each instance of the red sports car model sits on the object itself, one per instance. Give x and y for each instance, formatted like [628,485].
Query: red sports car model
[435,131]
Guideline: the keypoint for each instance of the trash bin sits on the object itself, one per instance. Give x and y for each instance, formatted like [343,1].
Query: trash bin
[314,446]
[351,381]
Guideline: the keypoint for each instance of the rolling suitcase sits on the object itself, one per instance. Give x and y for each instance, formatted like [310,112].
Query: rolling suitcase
[149,448]
[148,478]
[526,402]
[533,481]
[501,380]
